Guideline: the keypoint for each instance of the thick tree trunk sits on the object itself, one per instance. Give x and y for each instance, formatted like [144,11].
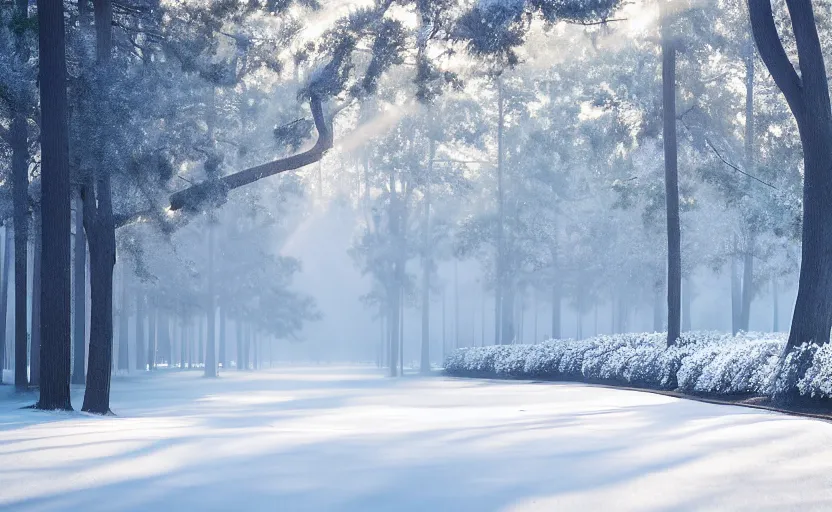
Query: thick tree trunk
[141,357]
[674,247]
[98,223]
[123,321]
[79,286]
[4,294]
[35,330]
[808,97]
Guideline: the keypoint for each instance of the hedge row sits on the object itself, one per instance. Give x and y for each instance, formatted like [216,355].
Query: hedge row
[702,363]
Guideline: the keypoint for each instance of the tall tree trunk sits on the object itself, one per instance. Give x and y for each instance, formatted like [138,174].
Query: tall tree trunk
[427,267]
[736,289]
[4,294]
[456,308]
[20,199]
[808,97]
[674,243]
[141,356]
[123,321]
[444,328]
[153,339]
[223,357]
[401,333]
[198,346]
[35,342]
[102,246]
[499,308]
[239,339]
[211,347]
[79,286]
[747,283]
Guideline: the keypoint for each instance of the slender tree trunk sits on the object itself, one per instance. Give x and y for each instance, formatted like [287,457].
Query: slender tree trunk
[775,310]
[141,356]
[79,286]
[153,339]
[427,267]
[747,284]
[401,332]
[736,290]
[210,347]
[20,198]
[123,322]
[658,310]
[444,327]
[238,325]
[674,244]
[4,294]
[508,334]
[35,342]
[456,307]
[223,357]
[499,308]
[198,345]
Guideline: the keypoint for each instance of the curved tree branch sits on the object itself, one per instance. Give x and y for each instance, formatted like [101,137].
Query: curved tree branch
[192,197]
[774,55]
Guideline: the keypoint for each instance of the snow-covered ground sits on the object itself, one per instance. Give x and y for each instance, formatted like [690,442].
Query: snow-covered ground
[319,439]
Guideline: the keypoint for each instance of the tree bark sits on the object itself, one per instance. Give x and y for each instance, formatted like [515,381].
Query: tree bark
[99,225]
[674,247]
[102,246]
[79,286]
[55,291]
[808,97]
[20,200]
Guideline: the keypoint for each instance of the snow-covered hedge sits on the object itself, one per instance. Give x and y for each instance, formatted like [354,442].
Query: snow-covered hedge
[702,362]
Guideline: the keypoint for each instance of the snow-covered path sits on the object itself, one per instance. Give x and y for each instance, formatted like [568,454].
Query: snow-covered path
[346,439]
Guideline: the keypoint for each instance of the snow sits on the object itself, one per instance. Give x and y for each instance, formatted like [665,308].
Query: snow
[325,438]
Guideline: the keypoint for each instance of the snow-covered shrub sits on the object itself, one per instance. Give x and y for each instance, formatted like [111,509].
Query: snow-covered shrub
[740,364]
[701,362]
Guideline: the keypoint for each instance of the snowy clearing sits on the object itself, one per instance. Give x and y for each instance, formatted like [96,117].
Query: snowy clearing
[326,438]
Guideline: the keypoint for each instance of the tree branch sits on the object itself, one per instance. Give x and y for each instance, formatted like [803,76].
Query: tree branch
[774,55]
[193,196]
